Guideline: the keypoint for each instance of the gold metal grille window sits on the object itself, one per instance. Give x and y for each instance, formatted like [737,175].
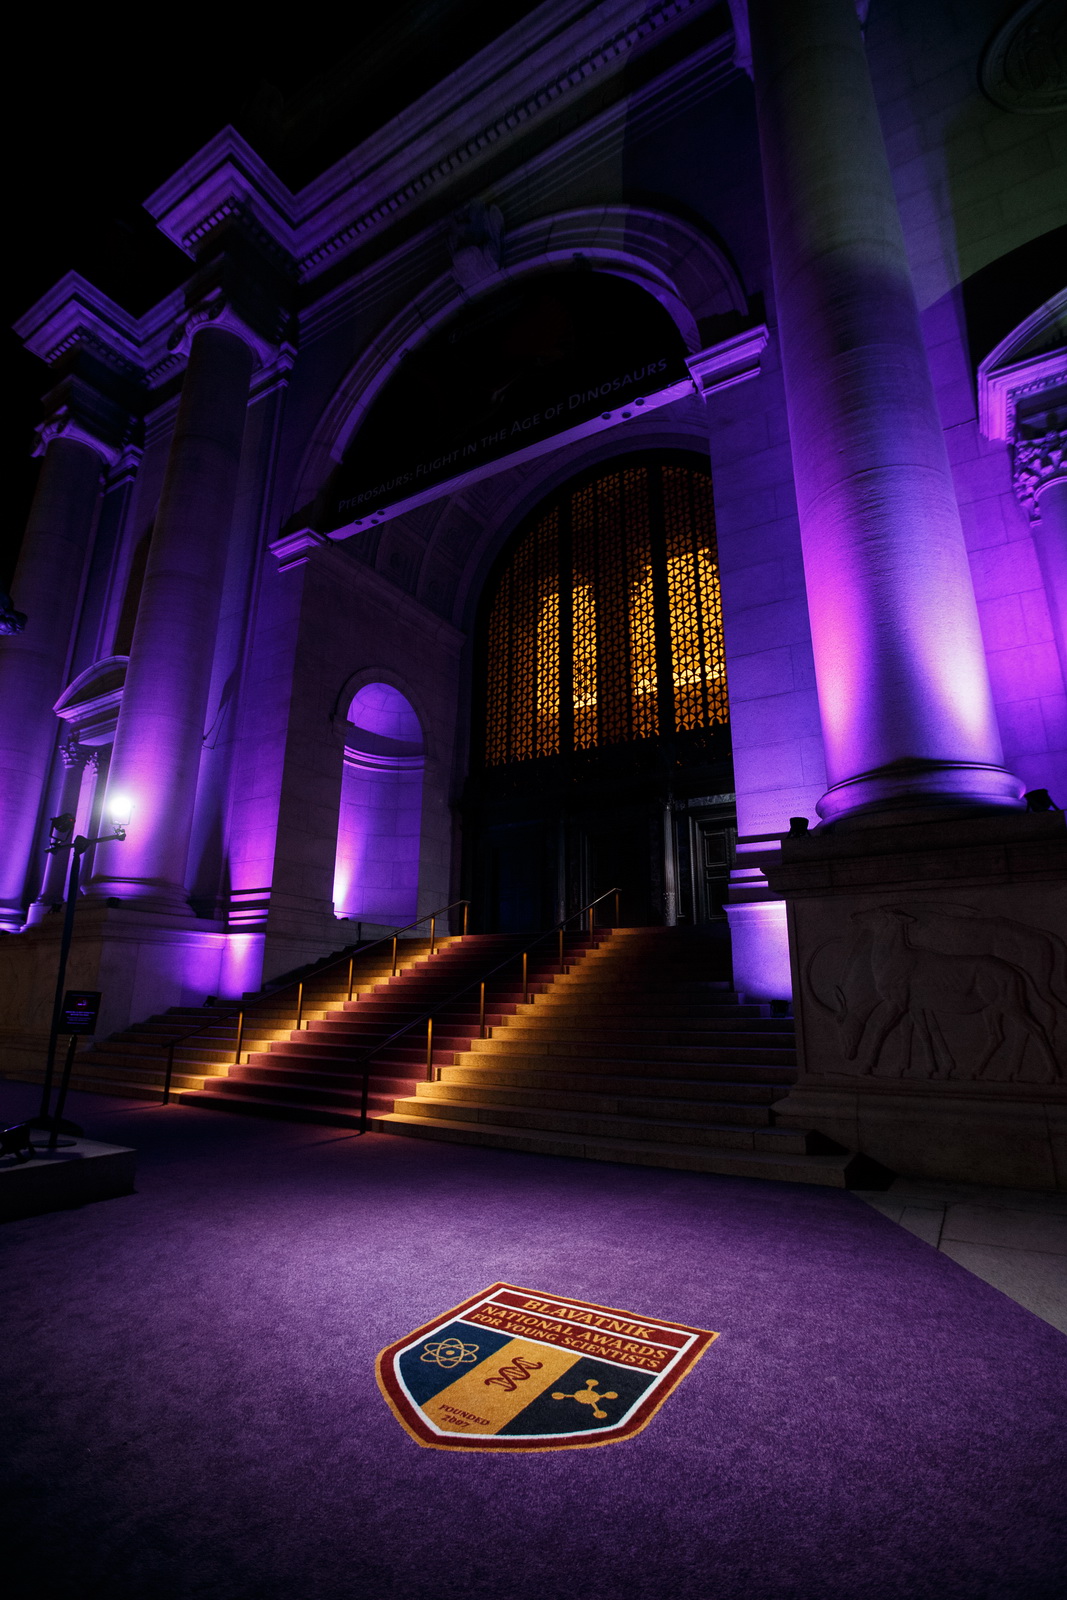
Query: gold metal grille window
[605,626]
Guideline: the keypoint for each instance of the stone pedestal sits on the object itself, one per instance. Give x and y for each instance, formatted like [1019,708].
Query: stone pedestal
[929,962]
[73,1175]
[142,963]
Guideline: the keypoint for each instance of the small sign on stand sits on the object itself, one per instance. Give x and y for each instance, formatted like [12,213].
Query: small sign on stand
[81,1007]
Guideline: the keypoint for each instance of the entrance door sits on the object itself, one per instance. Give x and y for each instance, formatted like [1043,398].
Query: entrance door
[621,852]
[713,856]
[601,711]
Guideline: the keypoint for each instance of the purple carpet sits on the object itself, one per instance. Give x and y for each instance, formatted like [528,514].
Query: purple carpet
[191,1411]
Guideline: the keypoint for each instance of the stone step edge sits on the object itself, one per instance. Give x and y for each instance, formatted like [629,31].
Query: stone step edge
[829,1171]
[629,1127]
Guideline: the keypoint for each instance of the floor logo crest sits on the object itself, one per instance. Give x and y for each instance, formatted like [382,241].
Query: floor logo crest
[515,1369]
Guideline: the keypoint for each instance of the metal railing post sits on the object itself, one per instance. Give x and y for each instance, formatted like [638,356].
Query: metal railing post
[351,964]
[466,908]
[561,950]
[394,954]
[433,935]
[525,985]
[590,922]
[299,1004]
[429,1049]
[363,1100]
[169,1072]
[481,1012]
[240,1037]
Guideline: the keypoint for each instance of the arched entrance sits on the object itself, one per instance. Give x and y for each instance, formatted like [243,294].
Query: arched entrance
[601,747]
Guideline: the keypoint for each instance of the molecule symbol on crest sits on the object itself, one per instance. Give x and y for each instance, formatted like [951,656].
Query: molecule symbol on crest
[589,1397]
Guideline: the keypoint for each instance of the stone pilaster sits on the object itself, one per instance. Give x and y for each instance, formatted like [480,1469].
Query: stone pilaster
[1040,479]
[160,729]
[33,662]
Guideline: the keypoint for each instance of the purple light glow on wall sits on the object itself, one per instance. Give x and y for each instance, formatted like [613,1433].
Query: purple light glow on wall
[376,874]
[242,964]
[379,708]
[898,652]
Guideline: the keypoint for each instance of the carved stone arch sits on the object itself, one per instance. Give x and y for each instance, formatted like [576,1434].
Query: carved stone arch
[682,268]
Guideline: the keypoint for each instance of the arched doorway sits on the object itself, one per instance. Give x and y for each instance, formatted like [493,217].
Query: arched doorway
[601,748]
[376,872]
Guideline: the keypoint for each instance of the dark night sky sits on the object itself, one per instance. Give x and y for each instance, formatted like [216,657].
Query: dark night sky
[114,99]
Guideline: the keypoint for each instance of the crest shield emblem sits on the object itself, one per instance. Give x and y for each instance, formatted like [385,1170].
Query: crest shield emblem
[518,1369]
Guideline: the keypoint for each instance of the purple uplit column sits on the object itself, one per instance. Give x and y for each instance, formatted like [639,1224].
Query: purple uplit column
[904,695]
[32,663]
[158,740]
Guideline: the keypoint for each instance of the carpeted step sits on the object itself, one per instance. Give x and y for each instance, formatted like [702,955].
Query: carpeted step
[262,1106]
[726,1109]
[828,1170]
[592,1050]
[326,1100]
[627,1066]
[610,1083]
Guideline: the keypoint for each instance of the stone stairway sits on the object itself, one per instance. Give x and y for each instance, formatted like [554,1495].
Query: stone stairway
[636,1056]
[314,1074]
[133,1063]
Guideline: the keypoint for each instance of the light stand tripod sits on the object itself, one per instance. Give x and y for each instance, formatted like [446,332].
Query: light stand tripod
[64,838]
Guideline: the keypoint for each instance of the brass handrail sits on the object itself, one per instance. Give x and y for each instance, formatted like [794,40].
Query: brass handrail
[428,1016]
[349,953]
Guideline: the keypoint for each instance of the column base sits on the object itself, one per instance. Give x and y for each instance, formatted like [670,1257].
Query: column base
[929,962]
[923,785]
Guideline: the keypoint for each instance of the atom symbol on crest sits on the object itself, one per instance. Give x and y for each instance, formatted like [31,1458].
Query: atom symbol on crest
[450,1353]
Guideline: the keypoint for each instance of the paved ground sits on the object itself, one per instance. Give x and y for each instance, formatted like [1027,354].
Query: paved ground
[1015,1239]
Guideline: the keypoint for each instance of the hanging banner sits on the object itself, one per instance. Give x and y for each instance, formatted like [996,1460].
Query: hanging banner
[525,364]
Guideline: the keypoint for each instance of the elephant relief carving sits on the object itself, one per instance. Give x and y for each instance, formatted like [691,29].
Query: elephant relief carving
[945,992]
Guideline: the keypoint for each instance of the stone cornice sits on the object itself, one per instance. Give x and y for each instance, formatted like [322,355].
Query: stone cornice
[226,181]
[74,313]
[456,125]
[549,58]
[76,316]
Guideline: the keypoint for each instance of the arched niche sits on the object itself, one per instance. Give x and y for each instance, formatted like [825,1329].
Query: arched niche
[376,870]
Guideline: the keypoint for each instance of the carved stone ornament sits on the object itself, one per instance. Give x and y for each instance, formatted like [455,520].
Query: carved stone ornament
[945,992]
[1037,463]
[475,242]
[63,424]
[11,621]
[1024,67]
[214,310]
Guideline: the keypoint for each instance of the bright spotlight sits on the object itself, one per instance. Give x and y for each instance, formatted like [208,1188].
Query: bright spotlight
[120,809]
